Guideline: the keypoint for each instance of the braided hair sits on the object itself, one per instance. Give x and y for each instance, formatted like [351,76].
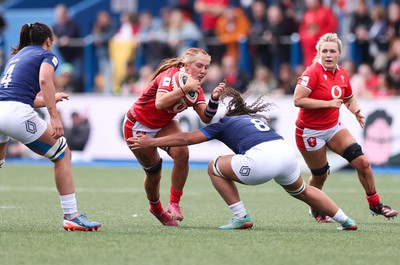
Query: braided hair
[238,106]
[32,34]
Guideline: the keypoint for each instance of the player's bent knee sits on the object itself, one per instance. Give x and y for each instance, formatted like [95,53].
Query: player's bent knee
[352,152]
[364,164]
[298,191]
[154,168]
[180,154]
[215,168]
[320,171]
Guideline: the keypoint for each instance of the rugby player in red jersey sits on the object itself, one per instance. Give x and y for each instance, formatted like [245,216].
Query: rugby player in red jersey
[153,114]
[320,92]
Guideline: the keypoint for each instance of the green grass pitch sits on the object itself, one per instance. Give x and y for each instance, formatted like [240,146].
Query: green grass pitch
[31,222]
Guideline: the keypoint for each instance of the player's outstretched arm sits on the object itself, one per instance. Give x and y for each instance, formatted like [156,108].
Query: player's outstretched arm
[176,139]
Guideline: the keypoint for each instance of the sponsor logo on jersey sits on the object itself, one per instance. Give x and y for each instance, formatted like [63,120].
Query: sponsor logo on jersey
[54,61]
[305,80]
[166,81]
[336,92]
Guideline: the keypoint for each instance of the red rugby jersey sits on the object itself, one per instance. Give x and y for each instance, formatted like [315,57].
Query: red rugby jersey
[144,109]
[324,85]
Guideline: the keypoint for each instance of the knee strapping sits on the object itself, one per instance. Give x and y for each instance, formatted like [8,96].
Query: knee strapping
[352,152]
[54,152]
[155,168]
[216,170]
[297,191]
[57,151]
[321,171]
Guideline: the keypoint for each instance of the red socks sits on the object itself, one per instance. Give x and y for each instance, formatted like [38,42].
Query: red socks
[175,195]
[156,206]
[373,200]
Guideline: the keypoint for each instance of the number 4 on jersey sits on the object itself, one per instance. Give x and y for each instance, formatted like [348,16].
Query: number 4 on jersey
[7,76]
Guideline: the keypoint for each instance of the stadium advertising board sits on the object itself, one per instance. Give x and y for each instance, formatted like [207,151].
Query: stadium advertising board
[106,114]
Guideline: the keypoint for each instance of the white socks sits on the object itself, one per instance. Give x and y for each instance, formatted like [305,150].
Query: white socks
[68,204]
[340,217]
[2,161]
[238,210]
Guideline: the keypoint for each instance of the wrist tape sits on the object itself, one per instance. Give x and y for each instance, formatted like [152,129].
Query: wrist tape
[211,108]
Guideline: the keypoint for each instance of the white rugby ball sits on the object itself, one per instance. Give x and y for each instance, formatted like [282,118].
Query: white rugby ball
[179,79]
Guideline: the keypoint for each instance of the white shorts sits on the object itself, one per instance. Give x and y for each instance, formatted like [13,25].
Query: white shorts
[311,140]
[20,122]
[135,128]
[270,160]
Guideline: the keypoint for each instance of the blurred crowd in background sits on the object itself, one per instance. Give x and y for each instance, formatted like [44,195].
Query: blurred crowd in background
[130,47]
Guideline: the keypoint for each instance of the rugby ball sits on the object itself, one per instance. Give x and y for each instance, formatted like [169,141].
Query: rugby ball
[179,79]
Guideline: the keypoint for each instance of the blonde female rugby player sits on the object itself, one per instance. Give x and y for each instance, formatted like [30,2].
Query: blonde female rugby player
[320,92]
[154,114]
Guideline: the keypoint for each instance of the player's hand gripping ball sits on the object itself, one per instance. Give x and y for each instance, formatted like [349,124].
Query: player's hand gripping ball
[179,79]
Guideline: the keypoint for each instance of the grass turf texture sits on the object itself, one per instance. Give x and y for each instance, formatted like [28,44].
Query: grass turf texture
[31,222]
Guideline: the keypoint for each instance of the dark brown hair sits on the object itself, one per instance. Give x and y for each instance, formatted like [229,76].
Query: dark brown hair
[32,34]
[238,106]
